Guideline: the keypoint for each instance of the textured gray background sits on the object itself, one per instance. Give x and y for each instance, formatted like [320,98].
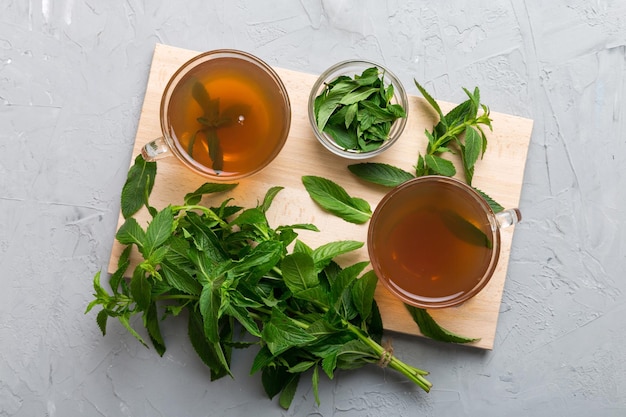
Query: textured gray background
[72,79]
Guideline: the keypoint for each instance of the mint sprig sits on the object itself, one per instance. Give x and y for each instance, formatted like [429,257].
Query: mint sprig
[240,285]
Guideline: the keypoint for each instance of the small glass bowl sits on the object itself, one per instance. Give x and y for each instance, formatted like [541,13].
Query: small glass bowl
[350,69]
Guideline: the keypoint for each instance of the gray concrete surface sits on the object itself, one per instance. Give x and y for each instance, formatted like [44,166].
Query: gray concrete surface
[72,79]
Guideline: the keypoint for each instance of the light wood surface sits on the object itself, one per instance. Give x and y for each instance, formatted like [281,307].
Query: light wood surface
[499,174]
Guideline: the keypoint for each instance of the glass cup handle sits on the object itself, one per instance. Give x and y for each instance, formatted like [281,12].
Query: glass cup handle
[156,149]
[508,217]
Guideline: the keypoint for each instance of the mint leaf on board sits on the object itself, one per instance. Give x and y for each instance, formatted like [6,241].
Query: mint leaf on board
[131,233]
[138,184]
[429,327]
[324,254]
[492,203]
[363,293]
[439,165]
[380,173]
[194,197]
[159,230]
[334,199]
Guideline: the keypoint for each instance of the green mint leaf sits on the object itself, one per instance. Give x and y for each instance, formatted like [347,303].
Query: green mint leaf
[180,279]
[369,76]
[473,147]
[254,216]
[492,203]
[440,166]
[299,272]
[315,381]
[125,320]
[192,142]
[274,379]
[325,253]
[301,247]
[139,183]
[243,317]
[429,99]
[343,137]
[351,112]
[328,104]
[101,319]
[100,292]
[374,114]
[375,324]
[357,95]
[131,233]
[484,138]
[140,289]
[429,327]
[215,150]
[151,322]
[334,199]
[207,188]
[282,333]
[122,266]
[289,392]
[301,367]
[329,363]
[209,308]
[205,350]
[262,360]
[159,230]
[474,99]
[380,173]
[420,167]
[355,353]
[205,239]
[269,198]
[465,230]
[259,261]
[201,96]
[341,290]
[363,293]
[301,278]
[459,113]
[469,174]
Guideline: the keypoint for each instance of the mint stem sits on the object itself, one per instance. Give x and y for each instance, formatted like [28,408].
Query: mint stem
[414,374]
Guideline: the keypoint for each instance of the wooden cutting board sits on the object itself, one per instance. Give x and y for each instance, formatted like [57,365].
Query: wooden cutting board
[499,174]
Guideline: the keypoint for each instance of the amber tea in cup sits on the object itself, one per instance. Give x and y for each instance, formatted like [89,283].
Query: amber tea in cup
[225,114]
[434,242]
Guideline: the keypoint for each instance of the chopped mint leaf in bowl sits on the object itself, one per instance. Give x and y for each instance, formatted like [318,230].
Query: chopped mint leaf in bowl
[357,109]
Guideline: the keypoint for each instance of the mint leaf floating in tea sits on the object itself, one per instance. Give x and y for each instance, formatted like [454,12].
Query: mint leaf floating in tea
[231,272]
[357,112]
[334,199]
[464,229]
[429,327]
[211,120]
